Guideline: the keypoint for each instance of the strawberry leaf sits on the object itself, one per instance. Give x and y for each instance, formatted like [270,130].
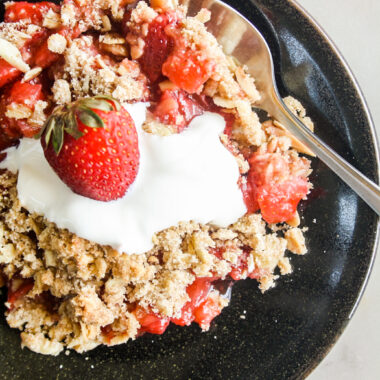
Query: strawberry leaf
[89,118]
[98,104]
[58,136]
[115,103]
[71,125]
[49,129]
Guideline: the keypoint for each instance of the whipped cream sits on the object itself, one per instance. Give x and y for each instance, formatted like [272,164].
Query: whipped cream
[182,177]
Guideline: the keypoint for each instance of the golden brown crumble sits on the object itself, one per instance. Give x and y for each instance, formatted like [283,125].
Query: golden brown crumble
[91,282]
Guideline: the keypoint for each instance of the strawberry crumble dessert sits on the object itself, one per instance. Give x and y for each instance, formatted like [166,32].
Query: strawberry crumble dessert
[137,181]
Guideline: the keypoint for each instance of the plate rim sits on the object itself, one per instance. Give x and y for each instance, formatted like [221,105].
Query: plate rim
[376,147]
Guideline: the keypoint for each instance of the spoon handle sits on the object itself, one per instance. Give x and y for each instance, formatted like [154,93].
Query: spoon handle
[364,187]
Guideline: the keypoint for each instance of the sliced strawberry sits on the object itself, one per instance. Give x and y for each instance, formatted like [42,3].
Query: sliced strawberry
[28,12]
[151,322]
[92,145]
[197,292]
[176,108]
[188,69]
[158,46]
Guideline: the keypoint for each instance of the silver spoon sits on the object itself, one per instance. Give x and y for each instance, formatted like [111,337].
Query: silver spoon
[235,33]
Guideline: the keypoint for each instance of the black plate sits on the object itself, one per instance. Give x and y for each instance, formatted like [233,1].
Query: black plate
[288,330]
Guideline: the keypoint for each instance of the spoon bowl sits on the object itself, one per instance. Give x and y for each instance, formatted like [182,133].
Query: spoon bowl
[241,40]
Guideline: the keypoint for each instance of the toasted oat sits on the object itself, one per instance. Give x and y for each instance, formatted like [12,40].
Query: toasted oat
[68,15]
[52,20]
[111,39]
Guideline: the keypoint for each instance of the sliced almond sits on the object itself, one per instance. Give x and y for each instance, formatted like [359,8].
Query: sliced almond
[31,74]
[167,85]
[106,24]
[225,103]
[247,84]
[12,55]
[118,50]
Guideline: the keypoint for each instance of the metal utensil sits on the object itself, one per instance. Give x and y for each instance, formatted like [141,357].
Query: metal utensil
[240,39]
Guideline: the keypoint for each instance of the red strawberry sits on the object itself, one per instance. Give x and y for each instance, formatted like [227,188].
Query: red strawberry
[92,145]
[26,94]
[176,108]
[158,46]
[28,12]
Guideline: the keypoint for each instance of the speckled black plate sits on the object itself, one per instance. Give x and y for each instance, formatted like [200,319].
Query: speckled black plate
[288,330]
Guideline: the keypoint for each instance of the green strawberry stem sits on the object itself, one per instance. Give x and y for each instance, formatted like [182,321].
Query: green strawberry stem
[64,119]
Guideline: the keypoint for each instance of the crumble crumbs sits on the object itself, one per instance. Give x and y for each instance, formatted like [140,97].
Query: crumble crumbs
[90,281]
[88,73]
[17,33]
[57,43]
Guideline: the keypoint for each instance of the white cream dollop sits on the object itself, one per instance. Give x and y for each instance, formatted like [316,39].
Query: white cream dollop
[182,177]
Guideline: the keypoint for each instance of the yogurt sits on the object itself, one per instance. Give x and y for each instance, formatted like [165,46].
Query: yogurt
[182,177]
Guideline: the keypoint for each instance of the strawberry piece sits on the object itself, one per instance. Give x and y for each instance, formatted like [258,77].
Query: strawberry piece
[272,188]
[158,46]
[18,289]
[29,12]
[43,57]
[278,202]
[176,108]
[240,269]
[188,69]
[151,322]
[206,312]
[94,147]
[197,291]
[26,94]
[8,73]
[108,333]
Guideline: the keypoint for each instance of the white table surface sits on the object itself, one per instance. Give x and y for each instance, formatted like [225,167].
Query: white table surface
[354,26]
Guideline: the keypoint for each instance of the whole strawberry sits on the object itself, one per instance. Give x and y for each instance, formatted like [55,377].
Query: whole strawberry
[92,145]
